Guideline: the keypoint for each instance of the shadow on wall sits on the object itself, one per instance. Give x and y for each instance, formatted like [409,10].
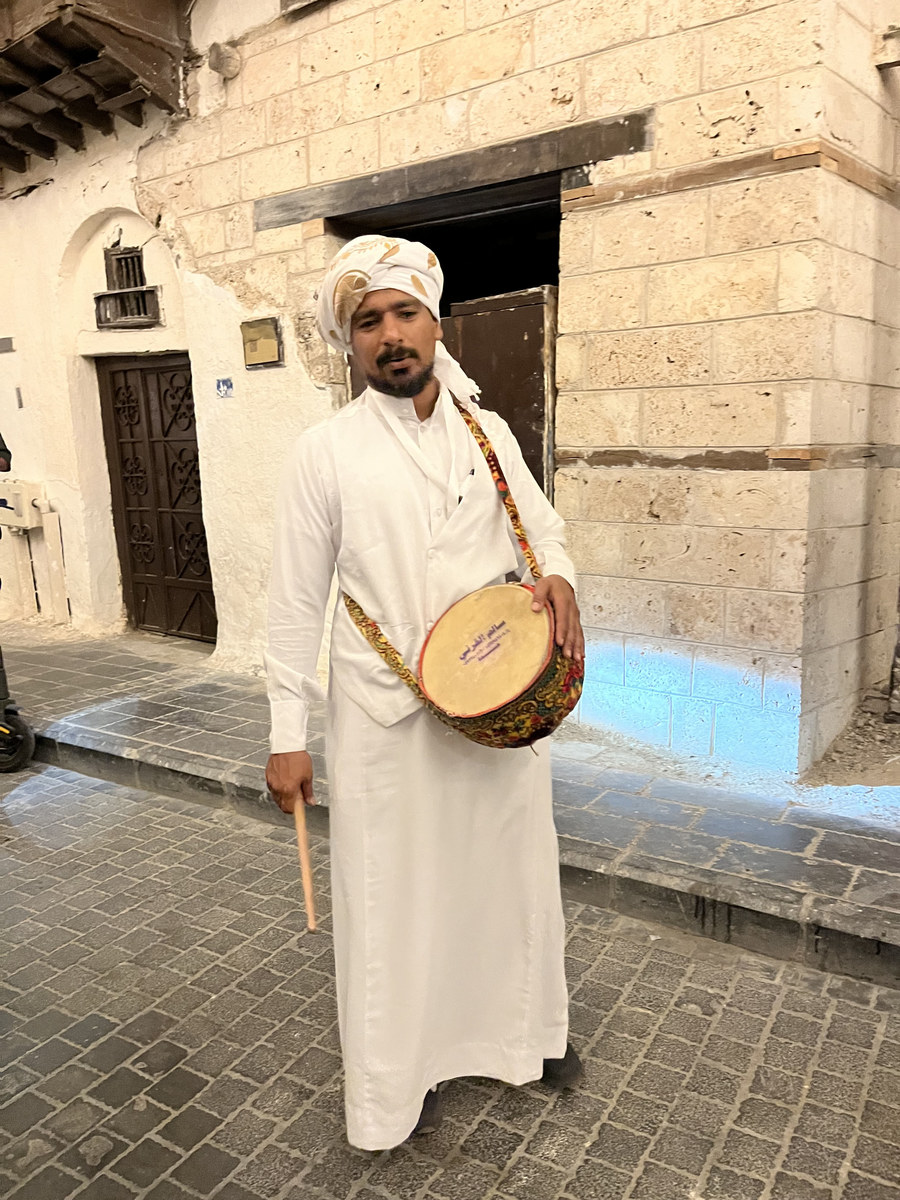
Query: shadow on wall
[743,713]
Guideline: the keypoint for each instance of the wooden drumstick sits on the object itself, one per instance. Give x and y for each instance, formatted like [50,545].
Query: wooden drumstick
[309,898]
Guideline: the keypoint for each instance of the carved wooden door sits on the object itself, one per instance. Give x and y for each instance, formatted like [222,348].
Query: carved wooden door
[151,446]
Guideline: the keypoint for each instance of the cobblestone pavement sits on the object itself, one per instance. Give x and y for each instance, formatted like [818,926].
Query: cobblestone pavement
[825,864]
[170,1033]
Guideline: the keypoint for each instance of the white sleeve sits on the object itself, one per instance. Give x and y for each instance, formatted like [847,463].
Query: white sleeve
[302,568]
[544,526]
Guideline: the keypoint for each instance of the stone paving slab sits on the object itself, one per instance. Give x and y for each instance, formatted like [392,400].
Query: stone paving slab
[169,1033]
[786,871]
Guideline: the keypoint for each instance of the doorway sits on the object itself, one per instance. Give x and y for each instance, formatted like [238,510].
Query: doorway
[499,251]
[150,431]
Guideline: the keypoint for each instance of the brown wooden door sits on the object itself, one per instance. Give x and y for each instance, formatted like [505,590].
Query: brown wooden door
[151,446]
[506,344]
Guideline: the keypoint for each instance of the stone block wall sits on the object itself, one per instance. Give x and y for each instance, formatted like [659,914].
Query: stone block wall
[728,345]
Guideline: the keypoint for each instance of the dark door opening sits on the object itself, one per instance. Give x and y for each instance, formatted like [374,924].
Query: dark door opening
[500,258]
[489,241]
[151,446]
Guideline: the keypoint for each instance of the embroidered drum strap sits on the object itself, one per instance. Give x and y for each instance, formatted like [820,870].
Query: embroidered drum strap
[376,639]
[502,486]
[371,631]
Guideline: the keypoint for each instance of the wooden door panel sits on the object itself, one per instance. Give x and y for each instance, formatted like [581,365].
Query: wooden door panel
[150,430]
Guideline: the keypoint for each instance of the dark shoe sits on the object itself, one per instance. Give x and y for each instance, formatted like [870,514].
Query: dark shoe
[431,1115]
[563,1072]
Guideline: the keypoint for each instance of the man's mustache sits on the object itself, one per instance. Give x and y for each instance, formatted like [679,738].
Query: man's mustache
[388,356]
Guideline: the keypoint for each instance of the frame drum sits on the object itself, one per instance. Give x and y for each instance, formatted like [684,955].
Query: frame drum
[490,668]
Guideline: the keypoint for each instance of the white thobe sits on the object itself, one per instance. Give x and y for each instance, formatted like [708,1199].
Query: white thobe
[448,925]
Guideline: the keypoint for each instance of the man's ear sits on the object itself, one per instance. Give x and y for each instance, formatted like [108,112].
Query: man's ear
[439,333]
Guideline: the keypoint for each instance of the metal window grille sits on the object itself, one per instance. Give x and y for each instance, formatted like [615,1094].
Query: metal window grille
[129,303]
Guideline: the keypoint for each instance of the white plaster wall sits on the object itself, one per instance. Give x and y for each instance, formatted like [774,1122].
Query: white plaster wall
[51,243]
[227,20]
[52,439]
[243,442]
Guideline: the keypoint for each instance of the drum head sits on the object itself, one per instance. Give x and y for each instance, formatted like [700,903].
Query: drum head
[486,650]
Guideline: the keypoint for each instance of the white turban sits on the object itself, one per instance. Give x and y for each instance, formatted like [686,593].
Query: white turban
[375,263]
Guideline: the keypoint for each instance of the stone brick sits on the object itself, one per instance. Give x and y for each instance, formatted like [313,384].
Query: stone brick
[786,346]
[717,125]
[219,184]
[642,74]
[661,229]
[346,151]
[598,26]
[473,59]
[765,620]
[680,554]
[668,16]
[575,236]
[194,143]
[727,415]
[275,169]
[609,300]
[510,108]
[626,605]
[713,289]
[206,232]
[595,549]
[598,418]
[644,357]
[151,161]
[424,131]
[270,72]
[836,557]
[484,12]
[384,87]
[277,241]
[238,226]
[310,109]
[695,614]
[766,211]
[571,361]
[406,24]
[243,129]
[341,47]
[762,44]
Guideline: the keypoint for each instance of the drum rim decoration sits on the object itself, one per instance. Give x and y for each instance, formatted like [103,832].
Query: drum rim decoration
[497,708]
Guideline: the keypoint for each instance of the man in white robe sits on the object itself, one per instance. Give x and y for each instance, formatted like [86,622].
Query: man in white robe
[448,924]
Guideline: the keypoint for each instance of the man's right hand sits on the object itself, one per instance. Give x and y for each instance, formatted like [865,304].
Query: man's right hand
[289,777]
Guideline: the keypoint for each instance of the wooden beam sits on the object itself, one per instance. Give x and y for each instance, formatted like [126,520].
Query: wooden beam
[137,93]
[12,159]
[86,112]
[26,139]
[540,154]
[53,124]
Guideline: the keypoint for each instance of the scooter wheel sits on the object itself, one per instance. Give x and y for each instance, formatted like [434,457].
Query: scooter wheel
[16,742]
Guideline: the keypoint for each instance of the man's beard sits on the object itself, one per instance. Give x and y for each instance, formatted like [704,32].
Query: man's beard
[401,388]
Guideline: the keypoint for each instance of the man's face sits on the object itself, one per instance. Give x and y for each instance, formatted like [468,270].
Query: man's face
[393,336]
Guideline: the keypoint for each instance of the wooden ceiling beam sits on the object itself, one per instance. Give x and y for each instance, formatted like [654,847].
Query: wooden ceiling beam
[12,159]
[53,124]
[26,139]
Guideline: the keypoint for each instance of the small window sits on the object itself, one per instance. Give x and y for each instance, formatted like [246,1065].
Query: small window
[129,303]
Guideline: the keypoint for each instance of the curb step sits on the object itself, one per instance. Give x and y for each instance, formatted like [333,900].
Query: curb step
[814,931]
